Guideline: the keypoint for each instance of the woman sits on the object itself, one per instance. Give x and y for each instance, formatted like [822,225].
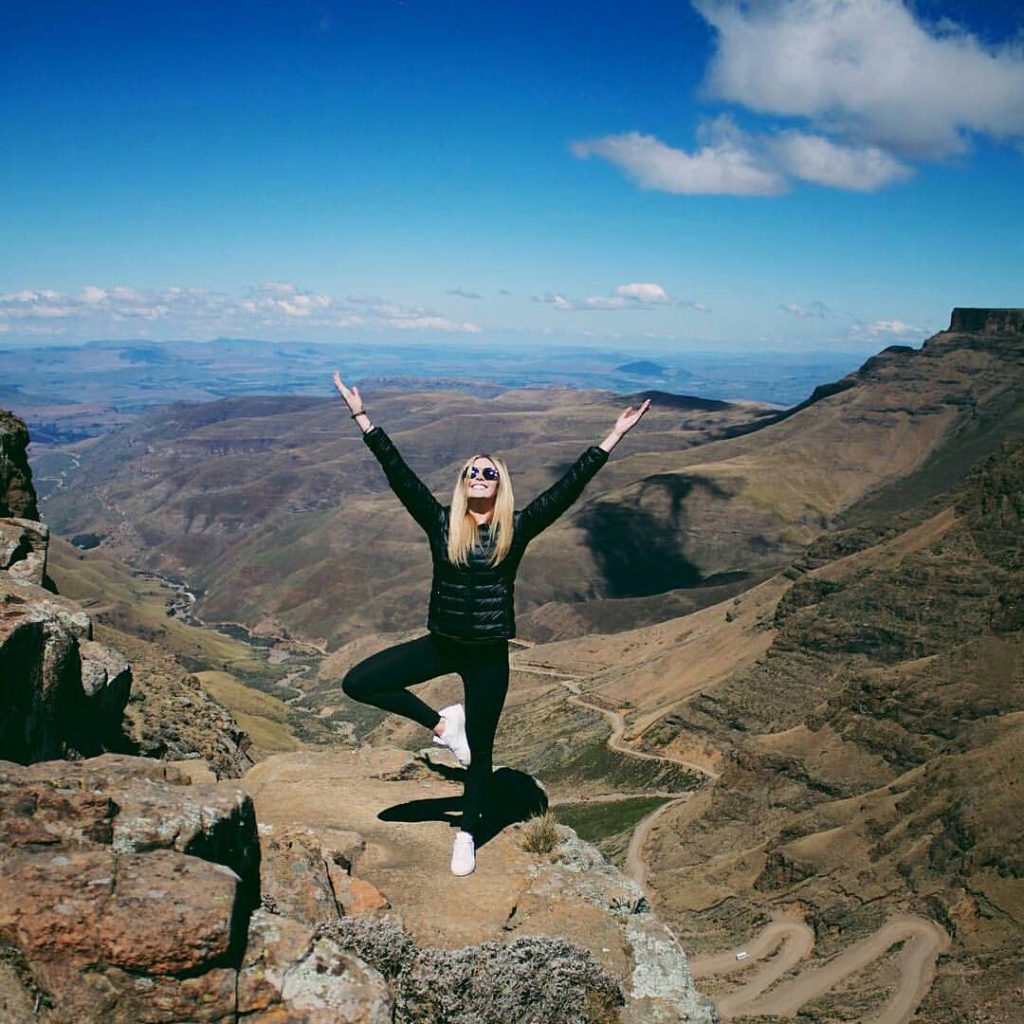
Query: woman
[476,543]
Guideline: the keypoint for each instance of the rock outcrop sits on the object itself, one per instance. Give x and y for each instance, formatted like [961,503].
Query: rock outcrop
[61,693]
[171,717]
[17,496]
[369,831]
[127,897]
[969,320]
[23,548]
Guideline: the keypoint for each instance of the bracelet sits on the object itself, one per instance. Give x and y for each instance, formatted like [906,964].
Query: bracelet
[362,412]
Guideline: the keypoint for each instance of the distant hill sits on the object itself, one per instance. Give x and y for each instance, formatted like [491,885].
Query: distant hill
[648,368]
[642,368]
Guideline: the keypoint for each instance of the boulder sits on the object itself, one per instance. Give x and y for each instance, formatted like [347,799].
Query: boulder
[60,692]
[23,547]
[291,974]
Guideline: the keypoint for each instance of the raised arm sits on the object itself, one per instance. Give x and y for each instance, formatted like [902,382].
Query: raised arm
[411,490]
[628,419]
[547,507]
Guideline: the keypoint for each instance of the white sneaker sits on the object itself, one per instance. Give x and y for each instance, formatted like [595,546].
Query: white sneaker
[453,735]
[463,854]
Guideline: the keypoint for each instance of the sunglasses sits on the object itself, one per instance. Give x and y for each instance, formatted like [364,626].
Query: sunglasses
[488,473]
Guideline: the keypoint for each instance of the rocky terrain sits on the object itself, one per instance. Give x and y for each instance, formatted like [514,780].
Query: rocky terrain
[136,889]
[816,765]
[871,760]
[18,496]
[129,894]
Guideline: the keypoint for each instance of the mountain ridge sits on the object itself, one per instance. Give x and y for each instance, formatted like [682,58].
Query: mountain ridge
[290,484]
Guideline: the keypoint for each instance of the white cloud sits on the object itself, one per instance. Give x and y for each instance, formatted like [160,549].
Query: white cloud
[819,160]
[430,323]
[866,70]
[30,304]
[873,85]
[194,312]
[724,165]
[638,295]
[895,327]
[813,309]
[282,297]
[277,288]
[757,163]
[604,302]
[554,299]
[643,292]
[464,293]
[409,318]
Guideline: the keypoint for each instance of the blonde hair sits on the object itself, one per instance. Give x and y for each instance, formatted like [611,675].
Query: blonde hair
[463,534]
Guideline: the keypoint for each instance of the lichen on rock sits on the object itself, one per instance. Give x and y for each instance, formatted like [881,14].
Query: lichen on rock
[532,980]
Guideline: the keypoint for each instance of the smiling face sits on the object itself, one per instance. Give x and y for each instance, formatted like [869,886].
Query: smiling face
[476,479]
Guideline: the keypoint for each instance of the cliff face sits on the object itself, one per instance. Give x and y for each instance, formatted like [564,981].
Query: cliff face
[17,496]
[965,320]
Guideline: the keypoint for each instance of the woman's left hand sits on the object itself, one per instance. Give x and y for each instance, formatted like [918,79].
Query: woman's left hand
[630,418]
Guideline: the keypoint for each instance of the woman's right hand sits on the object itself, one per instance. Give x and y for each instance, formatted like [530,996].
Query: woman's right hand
[352,397]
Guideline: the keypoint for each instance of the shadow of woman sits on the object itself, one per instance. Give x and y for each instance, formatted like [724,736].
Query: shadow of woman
[511,796]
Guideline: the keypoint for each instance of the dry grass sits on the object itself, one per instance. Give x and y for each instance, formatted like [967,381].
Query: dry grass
[263,716]
[540,833]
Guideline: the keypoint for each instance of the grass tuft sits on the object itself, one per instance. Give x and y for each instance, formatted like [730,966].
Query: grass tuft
[540,834]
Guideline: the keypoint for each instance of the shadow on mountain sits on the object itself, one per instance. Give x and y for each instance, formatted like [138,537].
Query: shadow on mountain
[638,552]
[670,400]
[511,796]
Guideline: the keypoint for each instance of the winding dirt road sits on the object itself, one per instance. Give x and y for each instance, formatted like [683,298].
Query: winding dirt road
[782,944]
[923,942]
[636,866]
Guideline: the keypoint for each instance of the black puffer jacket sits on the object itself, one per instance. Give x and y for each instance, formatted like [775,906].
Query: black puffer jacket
[476,602]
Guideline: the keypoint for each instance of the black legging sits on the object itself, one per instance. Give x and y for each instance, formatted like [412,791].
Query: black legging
[383,678]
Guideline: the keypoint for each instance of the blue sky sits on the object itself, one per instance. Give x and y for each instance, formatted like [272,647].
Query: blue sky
[787,175]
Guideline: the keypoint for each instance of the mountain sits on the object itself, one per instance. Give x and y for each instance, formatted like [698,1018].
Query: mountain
[136,889]
[808,656]
[269,506]
[273,511]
